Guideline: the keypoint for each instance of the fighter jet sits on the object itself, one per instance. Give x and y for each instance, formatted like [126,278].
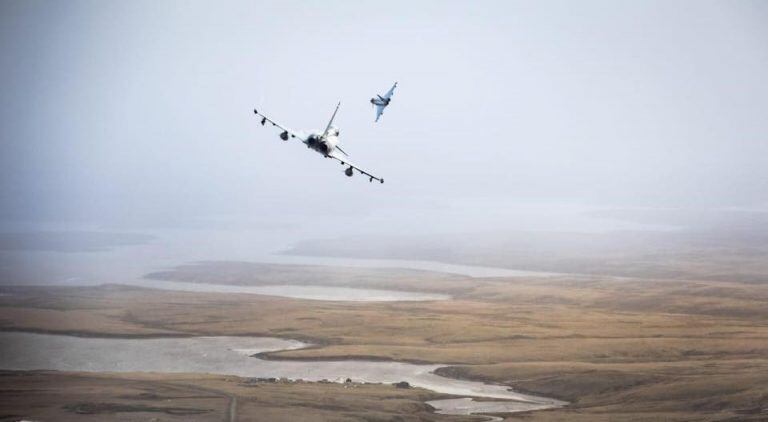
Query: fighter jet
[325,143]
[382,102]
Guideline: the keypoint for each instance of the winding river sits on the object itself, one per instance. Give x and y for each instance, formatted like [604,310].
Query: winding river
[234,356]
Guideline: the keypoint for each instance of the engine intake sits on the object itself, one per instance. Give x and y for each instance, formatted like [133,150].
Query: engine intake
[349,172]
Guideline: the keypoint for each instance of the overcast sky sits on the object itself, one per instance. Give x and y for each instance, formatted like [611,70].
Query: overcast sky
[141,111]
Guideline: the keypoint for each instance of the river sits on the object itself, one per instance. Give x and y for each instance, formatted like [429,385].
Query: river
[234,356]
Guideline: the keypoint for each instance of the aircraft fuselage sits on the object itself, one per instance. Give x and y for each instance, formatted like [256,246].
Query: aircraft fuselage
[380,101]
[326,145]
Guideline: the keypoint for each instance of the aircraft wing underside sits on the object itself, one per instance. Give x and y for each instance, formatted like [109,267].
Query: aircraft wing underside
[379,111]
[391,91]
[286,132]
[344,160]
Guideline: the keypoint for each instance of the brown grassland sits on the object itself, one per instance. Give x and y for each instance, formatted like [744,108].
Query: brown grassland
[617,349]
[57,396]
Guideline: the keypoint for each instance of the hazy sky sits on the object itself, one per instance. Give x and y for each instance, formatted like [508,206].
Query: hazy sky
[142,111]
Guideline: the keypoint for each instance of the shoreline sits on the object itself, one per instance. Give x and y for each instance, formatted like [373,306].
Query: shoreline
[544,401]
[449,371]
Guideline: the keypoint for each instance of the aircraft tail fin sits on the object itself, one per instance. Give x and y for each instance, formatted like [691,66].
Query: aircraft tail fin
[327,128]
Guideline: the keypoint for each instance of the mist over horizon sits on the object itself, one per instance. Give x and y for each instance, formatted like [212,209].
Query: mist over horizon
[572,224]
[508,115]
